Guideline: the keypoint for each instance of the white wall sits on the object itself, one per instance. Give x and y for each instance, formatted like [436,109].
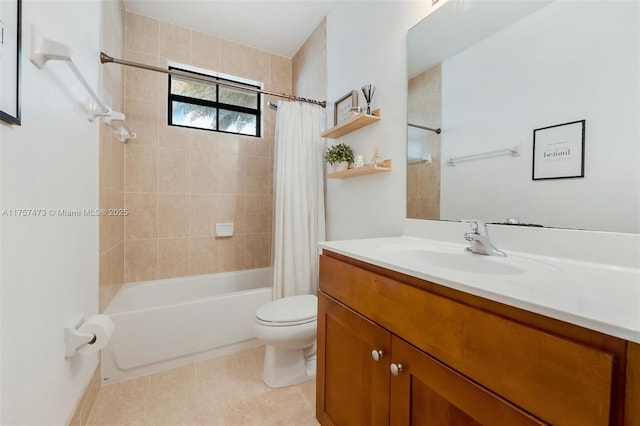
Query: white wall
[49,269]
[366,43]
[582,63]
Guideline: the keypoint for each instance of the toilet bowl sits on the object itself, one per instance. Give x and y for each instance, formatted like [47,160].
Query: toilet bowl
[288,327]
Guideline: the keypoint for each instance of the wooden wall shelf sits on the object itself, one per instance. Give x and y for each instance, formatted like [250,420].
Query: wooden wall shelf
[369,169]
[354,123]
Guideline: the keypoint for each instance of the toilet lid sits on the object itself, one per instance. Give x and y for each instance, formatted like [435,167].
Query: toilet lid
[289,309]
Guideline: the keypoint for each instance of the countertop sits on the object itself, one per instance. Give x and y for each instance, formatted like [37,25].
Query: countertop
[597,296]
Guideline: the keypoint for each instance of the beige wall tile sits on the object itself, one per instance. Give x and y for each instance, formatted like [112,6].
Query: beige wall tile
[280,71]
[142,220]
[141,34]
[117,166]
[199,178]
[172,137]
[173,255]
[141,260]
[205,173]
[143,84]
[105,157]
[204,255]
[231,174]
[231,208]
[143,117]
[259,214]
[231,253]
[173,171]
[233,58]
[258,250]
[261,147]
[205,51]
[174,215]
[218,143]
[174,43]
[258,64]
[203,215]
[259,175]
[141,169]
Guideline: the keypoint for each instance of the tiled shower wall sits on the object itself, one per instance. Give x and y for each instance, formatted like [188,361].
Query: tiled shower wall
[111,158]
[178,183]
[310,65]
[423,179]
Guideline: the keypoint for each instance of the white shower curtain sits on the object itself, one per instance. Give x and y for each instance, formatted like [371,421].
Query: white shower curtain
[299,198]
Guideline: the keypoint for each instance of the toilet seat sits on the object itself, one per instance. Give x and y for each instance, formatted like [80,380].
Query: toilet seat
[294,310]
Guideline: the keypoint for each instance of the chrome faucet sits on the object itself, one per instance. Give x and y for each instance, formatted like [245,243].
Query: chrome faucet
[479,239]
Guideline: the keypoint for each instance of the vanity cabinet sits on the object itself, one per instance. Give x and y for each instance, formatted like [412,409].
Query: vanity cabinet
[394,383]
[459,359]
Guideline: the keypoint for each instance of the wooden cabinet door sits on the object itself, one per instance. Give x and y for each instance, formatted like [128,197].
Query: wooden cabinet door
[426,392]
[352,387]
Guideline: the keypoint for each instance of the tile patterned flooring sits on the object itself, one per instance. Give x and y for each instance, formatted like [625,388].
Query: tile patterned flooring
[223,391]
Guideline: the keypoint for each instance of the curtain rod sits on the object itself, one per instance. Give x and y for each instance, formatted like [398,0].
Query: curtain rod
[438,131]
[104,58]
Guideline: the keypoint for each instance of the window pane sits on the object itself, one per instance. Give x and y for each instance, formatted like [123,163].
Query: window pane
[191,115]
[238,122]
[193,88]
[239,97]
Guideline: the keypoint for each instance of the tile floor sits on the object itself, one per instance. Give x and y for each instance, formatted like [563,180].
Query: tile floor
[225,391]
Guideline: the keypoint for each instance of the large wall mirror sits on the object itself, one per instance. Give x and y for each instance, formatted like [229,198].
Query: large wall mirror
[491,75]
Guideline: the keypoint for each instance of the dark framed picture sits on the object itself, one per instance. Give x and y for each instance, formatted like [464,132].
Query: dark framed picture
[10,45]
[342,106]
[558,151]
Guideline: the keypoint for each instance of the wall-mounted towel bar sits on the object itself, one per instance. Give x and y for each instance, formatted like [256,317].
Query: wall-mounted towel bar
[514,152]
[418,126]
[44,50]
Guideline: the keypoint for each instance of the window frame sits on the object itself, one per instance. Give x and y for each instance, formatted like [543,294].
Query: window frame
[217,105]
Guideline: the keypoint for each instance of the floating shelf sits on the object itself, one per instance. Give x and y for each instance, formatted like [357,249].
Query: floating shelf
[354,123]
[369,169]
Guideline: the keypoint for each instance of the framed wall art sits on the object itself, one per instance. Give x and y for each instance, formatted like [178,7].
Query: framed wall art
[558,151]
[10,45]
[342,107]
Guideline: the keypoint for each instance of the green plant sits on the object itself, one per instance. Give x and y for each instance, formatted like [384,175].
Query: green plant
[338,153]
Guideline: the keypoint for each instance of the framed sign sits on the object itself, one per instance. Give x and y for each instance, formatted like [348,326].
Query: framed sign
[10,41]
[342,106]
[558,151]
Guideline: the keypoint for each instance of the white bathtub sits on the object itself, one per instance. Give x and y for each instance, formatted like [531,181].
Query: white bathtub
[167,323]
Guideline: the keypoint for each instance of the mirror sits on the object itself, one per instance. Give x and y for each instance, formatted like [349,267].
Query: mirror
[512,70]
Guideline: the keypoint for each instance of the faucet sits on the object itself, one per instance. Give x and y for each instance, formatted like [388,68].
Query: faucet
[479,239]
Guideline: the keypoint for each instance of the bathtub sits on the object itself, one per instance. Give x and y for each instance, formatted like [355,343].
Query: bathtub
[172,322]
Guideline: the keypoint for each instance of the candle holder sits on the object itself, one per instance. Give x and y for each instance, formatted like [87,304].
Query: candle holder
[368,90]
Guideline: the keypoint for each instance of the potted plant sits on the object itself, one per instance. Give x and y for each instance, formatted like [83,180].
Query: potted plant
[339,156]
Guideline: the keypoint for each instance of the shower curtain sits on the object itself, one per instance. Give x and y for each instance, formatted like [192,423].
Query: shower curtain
[299,198]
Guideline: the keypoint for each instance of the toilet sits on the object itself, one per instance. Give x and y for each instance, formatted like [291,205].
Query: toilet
[288,327]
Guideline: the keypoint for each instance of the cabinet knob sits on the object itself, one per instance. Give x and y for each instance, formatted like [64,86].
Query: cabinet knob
[395,369]
[376,354]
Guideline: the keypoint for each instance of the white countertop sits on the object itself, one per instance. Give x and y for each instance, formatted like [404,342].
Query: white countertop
[597,296]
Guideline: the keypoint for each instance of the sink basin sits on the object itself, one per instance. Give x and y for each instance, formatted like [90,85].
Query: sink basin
[465,261]
[455,259]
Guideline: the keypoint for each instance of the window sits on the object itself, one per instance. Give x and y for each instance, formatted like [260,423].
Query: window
[210,106]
